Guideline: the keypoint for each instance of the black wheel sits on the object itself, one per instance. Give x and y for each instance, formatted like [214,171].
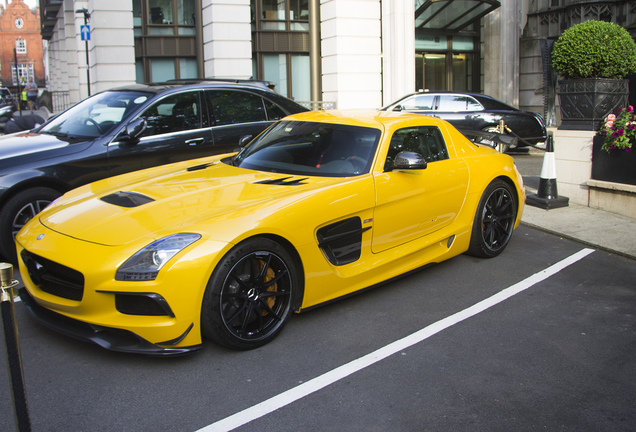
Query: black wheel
[20,209]
[94,123]
[249,296]
[494,220]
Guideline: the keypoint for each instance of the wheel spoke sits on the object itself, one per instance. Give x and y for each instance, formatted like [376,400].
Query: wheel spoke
[236,314]
[265,306]
[275,279]
[246,318]
[239,281]
[263,271]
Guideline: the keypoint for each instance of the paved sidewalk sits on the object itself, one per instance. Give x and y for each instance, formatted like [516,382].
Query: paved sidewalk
[596,228]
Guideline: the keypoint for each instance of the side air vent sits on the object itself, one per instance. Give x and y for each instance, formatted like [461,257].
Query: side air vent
[342,241]
[283,181]
[126,199]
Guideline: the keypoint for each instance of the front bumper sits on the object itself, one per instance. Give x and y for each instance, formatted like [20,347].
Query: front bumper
[110,338]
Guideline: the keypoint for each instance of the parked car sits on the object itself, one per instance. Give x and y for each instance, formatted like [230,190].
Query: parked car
[123,130]
[7,106]
[319,206]
[476,112]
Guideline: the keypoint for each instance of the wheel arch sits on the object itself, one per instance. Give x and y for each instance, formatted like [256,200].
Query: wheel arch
[31,183]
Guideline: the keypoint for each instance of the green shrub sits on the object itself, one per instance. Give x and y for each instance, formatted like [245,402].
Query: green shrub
[594,49]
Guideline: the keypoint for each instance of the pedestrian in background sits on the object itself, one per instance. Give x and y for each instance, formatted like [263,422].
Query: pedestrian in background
[32,94]
[23,99]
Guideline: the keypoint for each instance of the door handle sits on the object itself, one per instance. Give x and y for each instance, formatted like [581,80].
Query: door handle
[195,141]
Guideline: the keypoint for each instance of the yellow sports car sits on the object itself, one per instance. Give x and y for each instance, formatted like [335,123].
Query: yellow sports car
[319,206]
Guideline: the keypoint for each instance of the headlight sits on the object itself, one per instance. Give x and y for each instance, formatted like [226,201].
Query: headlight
[145,264]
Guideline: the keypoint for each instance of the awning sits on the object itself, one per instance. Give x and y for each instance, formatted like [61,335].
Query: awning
[451,15]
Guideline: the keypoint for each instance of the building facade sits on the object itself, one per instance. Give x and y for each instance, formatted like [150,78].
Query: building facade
[354,53]
[20,39]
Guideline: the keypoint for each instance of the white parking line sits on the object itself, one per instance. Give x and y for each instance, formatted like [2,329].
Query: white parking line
[305,389]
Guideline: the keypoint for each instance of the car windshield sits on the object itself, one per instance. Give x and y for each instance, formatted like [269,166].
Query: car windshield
[315,149]
[95,116]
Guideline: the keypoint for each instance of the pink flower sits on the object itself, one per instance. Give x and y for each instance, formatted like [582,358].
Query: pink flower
[628,149]
[612,147]
[609,124]
[630,109]
[611,117]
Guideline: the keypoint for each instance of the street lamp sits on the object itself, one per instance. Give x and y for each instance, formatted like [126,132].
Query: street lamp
[87,17]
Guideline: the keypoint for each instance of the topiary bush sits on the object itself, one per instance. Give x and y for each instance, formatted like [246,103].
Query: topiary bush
[594,49]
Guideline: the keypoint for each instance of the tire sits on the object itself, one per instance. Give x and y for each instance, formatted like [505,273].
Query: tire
[17,212]
[248,299]
[494,220]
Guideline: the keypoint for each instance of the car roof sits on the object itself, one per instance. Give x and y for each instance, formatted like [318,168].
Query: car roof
[490,102]
[161,87]
[365,118]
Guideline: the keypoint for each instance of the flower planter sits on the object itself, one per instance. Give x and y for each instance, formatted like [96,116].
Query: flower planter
[586,102]
[618,166]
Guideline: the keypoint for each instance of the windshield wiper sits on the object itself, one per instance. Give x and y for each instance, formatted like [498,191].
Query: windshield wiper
[66,136]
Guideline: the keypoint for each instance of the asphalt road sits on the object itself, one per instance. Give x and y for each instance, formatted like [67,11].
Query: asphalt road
[506,344]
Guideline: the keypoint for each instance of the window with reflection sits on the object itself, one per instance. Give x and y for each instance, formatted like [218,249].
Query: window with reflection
[174,113]
[427,141]
[170,17]
[273,15]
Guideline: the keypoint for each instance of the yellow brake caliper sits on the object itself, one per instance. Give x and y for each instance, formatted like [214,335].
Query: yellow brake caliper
[268,277]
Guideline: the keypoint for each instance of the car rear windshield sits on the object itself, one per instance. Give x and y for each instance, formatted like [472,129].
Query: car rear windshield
[309,148]
[95,116]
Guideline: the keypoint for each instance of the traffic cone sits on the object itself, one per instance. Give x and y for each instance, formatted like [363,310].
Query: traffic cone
[547,196]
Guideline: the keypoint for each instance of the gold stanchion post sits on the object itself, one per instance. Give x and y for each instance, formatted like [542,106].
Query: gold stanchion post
[12,344]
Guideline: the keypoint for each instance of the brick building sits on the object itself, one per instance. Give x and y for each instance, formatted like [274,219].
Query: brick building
[20,30]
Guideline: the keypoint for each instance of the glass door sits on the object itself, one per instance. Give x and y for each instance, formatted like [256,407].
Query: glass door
[431,72]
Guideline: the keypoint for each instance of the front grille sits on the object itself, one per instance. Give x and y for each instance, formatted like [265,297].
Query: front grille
[53,278]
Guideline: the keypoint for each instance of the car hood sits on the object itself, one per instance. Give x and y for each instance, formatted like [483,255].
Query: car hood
[161,201]
[27,143]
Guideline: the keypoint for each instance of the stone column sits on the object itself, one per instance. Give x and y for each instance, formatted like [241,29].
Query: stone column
[227,39]
[398,49]
[71,81]
[501,34]
[112,44]
[351,53]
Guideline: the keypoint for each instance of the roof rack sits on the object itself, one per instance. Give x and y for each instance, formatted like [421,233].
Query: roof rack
[267,84]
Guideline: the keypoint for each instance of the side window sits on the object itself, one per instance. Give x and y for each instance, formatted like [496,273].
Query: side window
[174,113]
[274,112]
[419,102]
[473,105]
[425,140]
[231,107]
[458,103]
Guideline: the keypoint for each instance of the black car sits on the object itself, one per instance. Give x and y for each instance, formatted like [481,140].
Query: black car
[122,130]
[472,111]
[7,106]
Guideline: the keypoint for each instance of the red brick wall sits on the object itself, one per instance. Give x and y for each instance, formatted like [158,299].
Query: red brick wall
[30,32]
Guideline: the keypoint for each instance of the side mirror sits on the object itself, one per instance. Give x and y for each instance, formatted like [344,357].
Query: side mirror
[409,160]
[244,140]
[397,108]
[136,128]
